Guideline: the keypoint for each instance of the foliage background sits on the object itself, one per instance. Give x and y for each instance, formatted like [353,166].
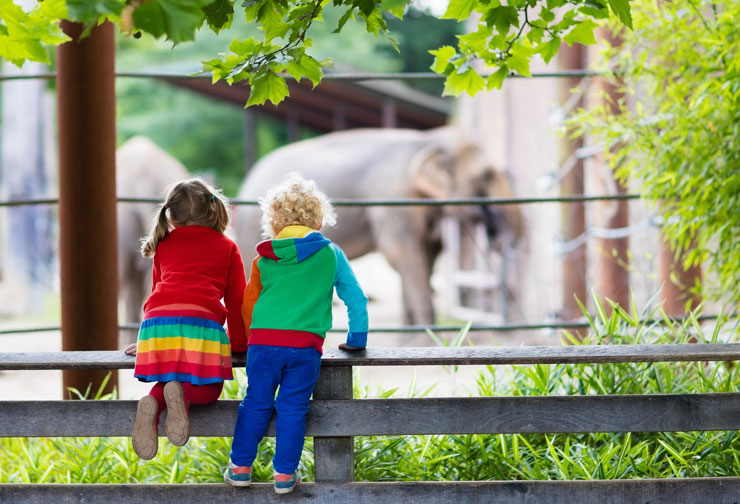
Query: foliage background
[208,136]
[676,131]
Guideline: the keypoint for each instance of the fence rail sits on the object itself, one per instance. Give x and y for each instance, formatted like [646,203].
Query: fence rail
[653,491]
[419,356]
[335,417]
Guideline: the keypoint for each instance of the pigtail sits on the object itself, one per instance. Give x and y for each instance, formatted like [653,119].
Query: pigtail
[220,213]
[159,232]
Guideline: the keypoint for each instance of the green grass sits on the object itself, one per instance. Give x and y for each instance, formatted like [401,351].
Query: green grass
[456,457]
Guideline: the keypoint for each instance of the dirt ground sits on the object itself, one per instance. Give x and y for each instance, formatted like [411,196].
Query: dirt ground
[381,284]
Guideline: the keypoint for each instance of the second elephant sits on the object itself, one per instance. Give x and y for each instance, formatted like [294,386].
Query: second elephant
[392,164]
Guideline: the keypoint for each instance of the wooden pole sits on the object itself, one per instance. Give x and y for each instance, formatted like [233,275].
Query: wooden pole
[612,274]
[87,197]
[676,292]
[573,215]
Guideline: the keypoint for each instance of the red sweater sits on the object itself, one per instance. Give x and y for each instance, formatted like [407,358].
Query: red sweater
[198,265]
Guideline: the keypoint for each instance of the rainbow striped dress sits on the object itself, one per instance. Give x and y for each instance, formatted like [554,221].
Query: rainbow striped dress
[183,346]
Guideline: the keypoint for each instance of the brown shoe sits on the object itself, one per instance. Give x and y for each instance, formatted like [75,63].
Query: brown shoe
[144,437]
[177,425]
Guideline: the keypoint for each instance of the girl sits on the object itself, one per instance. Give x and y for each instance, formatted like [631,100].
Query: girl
[287,310]
[182,345]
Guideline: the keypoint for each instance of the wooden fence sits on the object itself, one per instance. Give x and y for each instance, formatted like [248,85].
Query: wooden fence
[335,417]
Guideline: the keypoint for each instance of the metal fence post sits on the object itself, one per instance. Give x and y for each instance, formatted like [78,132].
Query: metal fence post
[334,457]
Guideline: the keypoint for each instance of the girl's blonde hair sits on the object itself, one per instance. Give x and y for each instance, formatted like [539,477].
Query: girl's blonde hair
[190,202]
[296,201]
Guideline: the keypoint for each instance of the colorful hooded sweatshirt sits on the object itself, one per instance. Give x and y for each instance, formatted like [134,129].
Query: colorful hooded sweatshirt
[287,301]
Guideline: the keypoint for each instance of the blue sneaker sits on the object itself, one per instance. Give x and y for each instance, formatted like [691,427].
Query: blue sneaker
[240,479]
[283,487]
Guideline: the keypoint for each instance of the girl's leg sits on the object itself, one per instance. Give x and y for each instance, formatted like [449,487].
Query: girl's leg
[157,392]
[264,368]
[202,394]
[299,377]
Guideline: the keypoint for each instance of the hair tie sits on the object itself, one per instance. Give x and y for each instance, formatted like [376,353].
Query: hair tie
[213,197]
[165,207]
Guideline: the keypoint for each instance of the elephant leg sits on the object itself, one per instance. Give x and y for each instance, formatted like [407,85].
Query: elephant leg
[412,263]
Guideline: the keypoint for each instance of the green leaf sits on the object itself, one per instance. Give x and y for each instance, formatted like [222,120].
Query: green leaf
[305,66]
[459,9]
[549,49]
[582,33]
[366,6]
[267,86]
[519,62]
[442,58]
[547,15]
[467,81]
[219,14]
[622,9]
[343,20]
[496,79]
[177,19]
[535,34]
[476,40]
[502,18]
[91,10]
[396,7]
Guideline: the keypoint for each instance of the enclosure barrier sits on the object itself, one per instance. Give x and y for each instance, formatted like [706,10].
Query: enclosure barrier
[335,417]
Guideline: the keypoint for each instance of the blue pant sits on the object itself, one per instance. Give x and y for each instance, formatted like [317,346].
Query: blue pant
[295,370]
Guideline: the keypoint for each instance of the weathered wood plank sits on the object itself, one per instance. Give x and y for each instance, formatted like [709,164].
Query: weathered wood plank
[334,457]
[420,356]
[376,417]
[652,491]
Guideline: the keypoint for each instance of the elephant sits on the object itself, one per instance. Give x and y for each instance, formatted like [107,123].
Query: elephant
[394,164]
[143,170]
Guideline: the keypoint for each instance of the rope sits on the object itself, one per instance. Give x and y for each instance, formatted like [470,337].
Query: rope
[562,248]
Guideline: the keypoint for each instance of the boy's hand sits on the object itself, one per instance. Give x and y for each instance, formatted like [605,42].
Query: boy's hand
[130,350]
[348,348]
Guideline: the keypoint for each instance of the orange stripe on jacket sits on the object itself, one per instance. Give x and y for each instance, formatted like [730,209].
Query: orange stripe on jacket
[251,293]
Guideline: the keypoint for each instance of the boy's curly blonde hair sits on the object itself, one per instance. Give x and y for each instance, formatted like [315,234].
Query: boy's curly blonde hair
[296,201]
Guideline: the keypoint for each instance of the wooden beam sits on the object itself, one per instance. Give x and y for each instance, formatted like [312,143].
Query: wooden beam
[391,417]
[420,356]
[654,491]
[87,196]
[334,457]
[573,215]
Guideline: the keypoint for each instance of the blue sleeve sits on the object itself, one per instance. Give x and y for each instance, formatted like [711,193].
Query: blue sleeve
[350,292]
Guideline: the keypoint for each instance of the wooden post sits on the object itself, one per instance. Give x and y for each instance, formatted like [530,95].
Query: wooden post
[87,197]
[612,276]
[677,282]
[572,215]
[334,457]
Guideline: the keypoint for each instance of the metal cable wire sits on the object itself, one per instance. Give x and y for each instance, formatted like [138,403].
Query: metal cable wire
[419,328]
[338,76]
[379,202]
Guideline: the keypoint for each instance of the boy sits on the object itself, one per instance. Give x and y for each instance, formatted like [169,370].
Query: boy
[287,311]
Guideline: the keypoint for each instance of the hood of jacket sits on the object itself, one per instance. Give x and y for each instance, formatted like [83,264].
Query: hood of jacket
[293,245]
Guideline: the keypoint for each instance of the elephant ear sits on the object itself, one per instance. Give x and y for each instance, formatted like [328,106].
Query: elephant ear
[429,170]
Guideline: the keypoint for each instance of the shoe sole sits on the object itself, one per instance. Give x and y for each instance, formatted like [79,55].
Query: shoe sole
[144,437]
[177,425]
[235,483]
[290,488]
